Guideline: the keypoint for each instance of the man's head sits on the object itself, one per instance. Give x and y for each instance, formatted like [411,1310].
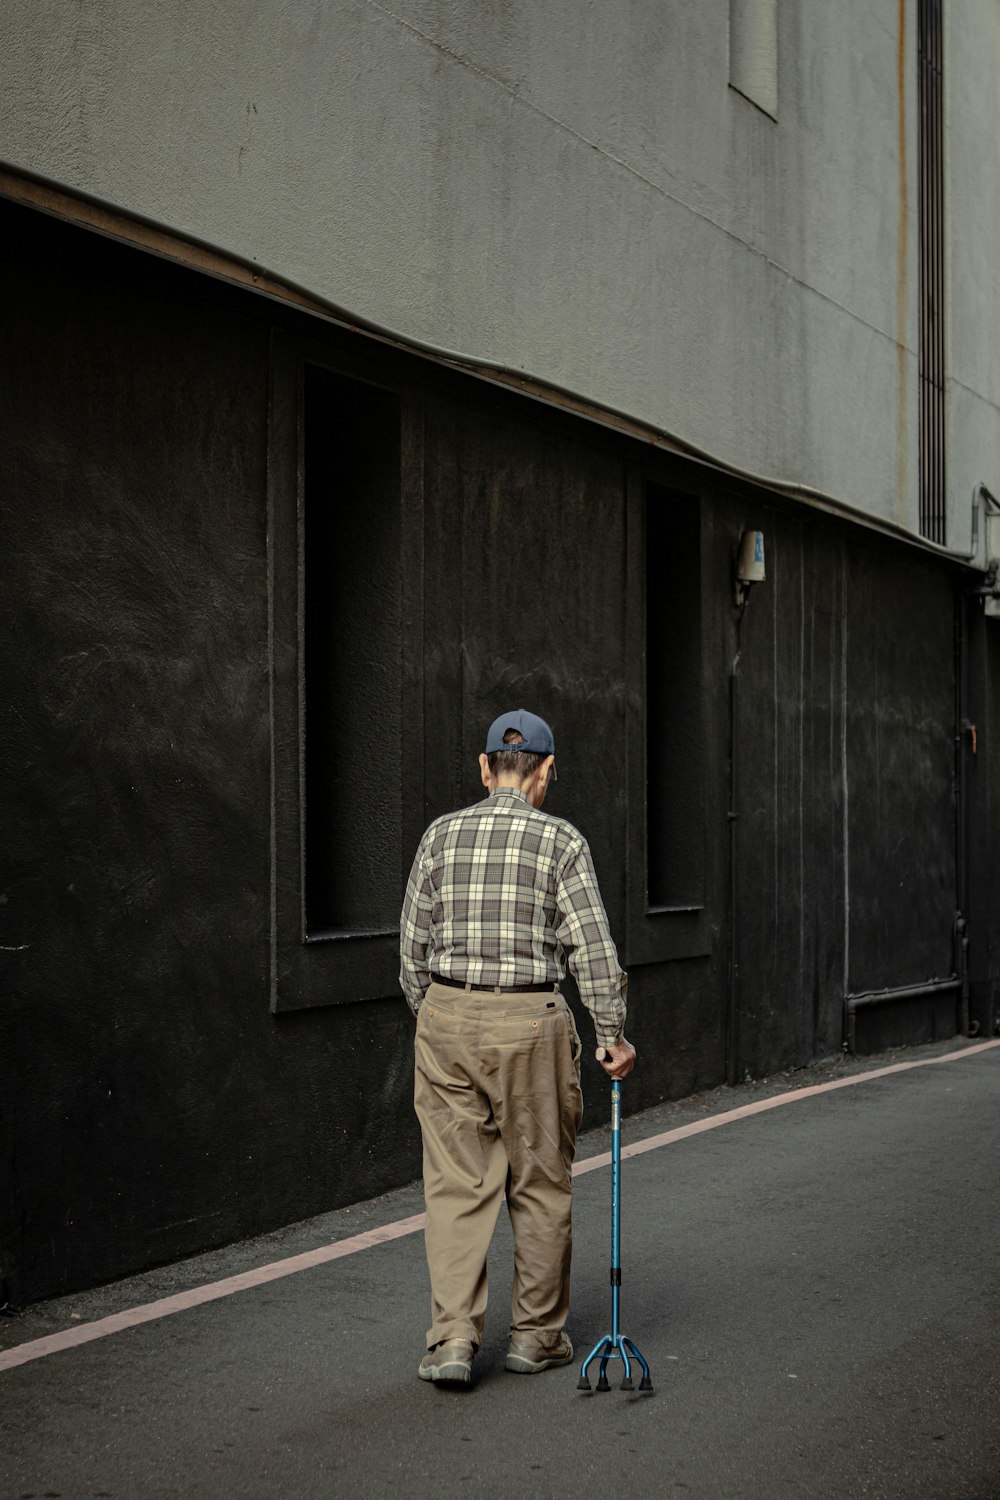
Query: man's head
[520,753]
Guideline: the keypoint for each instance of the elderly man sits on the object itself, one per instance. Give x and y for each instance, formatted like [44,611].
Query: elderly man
[500,894]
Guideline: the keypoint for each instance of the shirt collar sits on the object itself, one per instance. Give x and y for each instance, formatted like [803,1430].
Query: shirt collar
[510,791]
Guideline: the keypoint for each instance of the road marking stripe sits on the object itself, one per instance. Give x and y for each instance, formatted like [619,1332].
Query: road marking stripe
[22,1354]
[195,1296]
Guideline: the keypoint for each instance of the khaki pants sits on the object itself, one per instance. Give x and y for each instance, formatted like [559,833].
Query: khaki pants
[497,1094]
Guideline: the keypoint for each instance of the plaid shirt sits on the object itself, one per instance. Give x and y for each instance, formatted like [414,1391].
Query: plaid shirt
[499,894]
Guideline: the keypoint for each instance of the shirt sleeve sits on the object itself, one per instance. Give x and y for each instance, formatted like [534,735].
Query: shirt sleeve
[415,932]
[586,939]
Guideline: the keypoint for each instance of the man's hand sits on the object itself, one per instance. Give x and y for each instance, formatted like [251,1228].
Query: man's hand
[617,1061]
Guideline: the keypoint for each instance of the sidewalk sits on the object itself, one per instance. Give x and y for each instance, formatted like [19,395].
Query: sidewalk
[814,1286]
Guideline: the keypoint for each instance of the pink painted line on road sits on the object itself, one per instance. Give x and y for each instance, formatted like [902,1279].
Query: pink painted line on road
[21,1354]
[148,1312]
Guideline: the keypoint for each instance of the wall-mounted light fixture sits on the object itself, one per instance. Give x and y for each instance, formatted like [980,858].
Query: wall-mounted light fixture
[989,590]
[992,529]
[749,565]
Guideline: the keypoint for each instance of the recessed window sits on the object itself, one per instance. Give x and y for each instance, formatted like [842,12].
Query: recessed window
[350,561]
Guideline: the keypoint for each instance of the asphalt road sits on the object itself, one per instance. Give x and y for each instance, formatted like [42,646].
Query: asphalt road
[815,1287]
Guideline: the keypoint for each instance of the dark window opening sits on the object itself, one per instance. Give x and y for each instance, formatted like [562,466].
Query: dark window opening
[352,655]
[675,783]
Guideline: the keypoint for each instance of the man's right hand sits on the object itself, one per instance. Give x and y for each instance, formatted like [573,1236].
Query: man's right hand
[619,1060]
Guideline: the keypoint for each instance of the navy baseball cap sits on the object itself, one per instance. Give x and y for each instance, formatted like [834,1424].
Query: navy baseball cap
[535,733]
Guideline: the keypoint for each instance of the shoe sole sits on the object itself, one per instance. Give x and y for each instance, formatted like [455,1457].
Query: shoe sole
[454,1374]
[520,1364]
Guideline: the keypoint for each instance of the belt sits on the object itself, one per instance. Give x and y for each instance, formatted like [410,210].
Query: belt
[552,987]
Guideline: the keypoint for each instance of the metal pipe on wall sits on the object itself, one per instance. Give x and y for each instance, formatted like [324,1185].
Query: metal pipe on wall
[854,1003]
[732,1009]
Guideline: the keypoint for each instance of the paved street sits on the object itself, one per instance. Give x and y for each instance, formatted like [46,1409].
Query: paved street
[815,1287]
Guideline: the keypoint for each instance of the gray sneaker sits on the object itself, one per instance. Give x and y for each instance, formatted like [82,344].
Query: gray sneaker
[450,1362]
[526,1356]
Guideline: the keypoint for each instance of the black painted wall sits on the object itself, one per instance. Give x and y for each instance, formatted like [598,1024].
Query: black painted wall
[847,815]
[983,800]
[166,1086]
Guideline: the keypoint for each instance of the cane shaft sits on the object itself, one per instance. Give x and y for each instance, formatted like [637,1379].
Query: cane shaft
[614,1345]
[616,1208]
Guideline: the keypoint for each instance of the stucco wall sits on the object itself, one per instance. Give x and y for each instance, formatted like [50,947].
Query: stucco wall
[572,190]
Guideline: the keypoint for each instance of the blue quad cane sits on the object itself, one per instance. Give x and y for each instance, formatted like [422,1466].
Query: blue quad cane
[615,1345]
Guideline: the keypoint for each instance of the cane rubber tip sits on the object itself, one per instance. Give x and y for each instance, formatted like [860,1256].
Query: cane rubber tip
[645,1386]
[583,1384]
[602,1384]
[627,1384]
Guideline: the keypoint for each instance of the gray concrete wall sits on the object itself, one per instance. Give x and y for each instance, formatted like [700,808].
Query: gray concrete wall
[574,191]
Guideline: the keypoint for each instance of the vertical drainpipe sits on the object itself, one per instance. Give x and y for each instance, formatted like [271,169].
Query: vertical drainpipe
[732,1010]
[902,267]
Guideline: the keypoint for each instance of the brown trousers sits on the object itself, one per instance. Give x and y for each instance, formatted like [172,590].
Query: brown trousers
[497,1094]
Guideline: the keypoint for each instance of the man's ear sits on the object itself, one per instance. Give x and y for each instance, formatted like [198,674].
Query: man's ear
[486,773]
[536,785]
